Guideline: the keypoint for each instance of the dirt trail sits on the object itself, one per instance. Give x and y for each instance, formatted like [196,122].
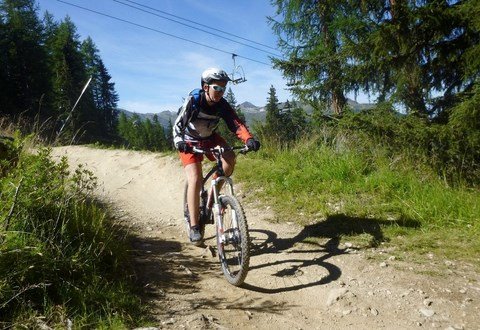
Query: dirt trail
[291,285]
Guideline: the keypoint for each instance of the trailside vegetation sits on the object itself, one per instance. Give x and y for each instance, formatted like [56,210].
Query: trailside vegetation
[63,261]
[405,172]
[349,180]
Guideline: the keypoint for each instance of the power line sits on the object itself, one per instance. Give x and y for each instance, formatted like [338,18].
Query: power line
[197,23]
[194,27]
[161,32]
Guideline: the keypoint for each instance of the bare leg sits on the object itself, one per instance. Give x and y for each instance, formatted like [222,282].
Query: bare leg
[228,163]
[194,179]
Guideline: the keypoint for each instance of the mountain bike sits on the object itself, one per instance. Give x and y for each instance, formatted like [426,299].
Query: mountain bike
[225,211]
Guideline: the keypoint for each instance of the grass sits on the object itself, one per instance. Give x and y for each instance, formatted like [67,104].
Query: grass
[366,196]
[62,258]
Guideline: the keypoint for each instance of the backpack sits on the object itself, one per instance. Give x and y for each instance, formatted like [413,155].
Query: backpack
[196,97]
[196,101]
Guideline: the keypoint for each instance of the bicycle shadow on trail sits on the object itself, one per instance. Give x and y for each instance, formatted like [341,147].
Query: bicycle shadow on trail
[266,242]
[163,268]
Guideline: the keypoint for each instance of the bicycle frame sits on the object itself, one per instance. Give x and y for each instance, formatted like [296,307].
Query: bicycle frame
[227,215]
[227,182]
[214,192]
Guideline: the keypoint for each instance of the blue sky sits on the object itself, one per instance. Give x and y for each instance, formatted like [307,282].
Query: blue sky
[153,72]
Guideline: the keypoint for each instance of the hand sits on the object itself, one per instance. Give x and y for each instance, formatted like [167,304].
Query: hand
[253,144]
[182,146]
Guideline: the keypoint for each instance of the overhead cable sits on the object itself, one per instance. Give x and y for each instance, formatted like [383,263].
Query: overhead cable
[161,32]
[193,27]
[199,24]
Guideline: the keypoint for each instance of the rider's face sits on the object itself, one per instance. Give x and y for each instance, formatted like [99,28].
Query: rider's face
[214,95]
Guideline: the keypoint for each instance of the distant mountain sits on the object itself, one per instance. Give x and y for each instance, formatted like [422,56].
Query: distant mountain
[248,107]
[357,107]
[163,117]
[252,112]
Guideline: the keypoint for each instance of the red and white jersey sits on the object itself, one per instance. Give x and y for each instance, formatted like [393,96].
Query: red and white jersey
[198,122]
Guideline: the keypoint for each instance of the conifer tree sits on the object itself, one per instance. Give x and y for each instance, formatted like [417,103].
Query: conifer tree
[25,85]
[103,91]
[315,65]
[70,76]
[123,127]
[148,142]
[294,120]
[158,135]
[5,97]
[273,128]
[422,55]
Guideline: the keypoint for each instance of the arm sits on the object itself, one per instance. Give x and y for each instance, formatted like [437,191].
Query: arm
[235,124]
[183,118]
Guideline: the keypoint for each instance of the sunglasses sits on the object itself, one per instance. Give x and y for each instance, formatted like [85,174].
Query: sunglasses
[217,88]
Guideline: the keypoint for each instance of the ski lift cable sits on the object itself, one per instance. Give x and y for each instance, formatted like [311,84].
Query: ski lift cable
[196,28]
[200,24]
[159,31]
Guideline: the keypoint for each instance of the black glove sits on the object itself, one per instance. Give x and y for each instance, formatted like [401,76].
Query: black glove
[253,144]
[182,146]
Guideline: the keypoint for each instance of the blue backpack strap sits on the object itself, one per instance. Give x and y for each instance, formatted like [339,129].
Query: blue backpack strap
[196,93]
[196,97]
[196,100]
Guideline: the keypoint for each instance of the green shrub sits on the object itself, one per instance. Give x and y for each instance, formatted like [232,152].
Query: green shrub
[60,255]
[452,150]
[9,153]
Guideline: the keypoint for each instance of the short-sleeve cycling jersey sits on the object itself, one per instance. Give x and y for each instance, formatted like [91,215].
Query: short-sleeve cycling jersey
[199,122]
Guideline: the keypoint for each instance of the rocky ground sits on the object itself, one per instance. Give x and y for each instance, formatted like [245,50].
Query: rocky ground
[290,285]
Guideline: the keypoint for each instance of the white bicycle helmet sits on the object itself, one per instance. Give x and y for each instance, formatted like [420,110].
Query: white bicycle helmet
[213,74]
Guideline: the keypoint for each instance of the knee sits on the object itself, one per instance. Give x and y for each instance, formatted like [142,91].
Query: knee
[194,175]
[228,169]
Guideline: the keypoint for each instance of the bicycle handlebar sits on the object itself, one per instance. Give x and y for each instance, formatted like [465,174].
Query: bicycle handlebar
[220,150]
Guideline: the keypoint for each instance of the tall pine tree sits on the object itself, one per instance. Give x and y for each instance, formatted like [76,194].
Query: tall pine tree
[70,76]
[273,128]
[315,65]
[24,75]
[103,91]
[422,55]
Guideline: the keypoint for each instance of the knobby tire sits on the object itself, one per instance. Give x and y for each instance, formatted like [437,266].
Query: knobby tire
[234,254]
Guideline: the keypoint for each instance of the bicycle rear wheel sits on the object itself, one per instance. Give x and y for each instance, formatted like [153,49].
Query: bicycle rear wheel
[234,243]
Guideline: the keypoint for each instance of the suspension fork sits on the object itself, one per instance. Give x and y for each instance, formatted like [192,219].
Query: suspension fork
[217,207]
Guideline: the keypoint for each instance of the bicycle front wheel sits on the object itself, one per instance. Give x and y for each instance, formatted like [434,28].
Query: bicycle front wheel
[234,242]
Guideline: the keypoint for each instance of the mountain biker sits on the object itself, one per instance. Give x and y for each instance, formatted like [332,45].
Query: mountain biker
[196,124]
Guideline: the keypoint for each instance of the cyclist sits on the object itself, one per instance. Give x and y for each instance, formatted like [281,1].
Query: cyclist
[196,124]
